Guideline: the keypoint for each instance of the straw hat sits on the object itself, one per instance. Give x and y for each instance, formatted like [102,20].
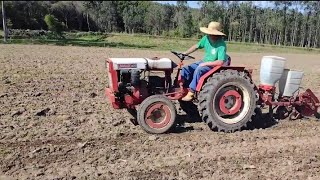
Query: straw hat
[214,28]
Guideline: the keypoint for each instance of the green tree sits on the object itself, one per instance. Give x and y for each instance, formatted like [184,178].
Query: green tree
[183,19]
[154,19]
[54,25]
[211,11]
[64,9]
[168,11]
[133,16]
[284,5]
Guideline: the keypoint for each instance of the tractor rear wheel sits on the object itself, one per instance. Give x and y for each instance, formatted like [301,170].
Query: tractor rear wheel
[228,100]
[156,114]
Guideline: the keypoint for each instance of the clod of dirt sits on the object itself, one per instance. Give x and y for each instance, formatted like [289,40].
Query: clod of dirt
[40,166]
[116,135]
[3,95]
[43,112]
[153,138]
[37,94]
[89,111]
[7,81]
[117,123]
[36,150]
[249,167]
[92,95]
[18,112]
[82,145]
[51,112]
[39,174]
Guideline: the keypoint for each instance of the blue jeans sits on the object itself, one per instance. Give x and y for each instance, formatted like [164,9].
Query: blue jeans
[192,73]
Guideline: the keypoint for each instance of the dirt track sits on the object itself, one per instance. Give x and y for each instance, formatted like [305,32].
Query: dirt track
[55,123]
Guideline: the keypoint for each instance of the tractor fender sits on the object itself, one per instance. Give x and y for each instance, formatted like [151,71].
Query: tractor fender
[216,69]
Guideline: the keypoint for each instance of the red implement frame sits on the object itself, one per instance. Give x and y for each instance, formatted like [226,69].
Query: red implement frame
[306,102]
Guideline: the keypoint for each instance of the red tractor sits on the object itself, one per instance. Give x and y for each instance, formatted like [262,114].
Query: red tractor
[226,96]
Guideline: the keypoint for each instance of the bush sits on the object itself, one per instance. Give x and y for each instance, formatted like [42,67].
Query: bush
[26,33]
[171,33]
[54,25]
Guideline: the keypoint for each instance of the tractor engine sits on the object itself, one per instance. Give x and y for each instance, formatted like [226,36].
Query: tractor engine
[131,80]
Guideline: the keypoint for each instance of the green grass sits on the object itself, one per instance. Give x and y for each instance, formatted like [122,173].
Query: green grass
[156,43]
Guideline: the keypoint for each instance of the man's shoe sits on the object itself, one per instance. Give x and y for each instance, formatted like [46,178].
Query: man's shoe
[188,97]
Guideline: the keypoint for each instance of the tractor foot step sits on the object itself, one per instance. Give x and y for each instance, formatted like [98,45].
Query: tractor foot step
[134,121]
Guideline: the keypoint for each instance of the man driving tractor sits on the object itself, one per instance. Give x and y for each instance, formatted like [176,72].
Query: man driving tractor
[215,55]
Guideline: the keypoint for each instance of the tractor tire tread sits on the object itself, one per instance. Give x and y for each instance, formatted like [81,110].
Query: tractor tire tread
[143,107]
[213,82]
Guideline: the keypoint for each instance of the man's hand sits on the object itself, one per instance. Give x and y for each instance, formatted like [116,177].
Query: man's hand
[181,56]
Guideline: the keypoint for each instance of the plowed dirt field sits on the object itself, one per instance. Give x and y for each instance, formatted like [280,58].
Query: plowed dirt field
[56,123]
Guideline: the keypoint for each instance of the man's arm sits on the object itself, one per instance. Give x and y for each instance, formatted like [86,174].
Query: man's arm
[214,63]
[191,49]
[197,46]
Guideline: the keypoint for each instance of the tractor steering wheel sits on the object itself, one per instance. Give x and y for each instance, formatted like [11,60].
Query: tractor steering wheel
[182,56]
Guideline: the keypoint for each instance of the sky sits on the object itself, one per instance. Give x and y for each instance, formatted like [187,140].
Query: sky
[194,4]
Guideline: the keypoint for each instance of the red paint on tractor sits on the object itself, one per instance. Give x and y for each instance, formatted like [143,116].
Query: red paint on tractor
[158,112]
[115,104]
[114,76]
[128,100]
[139,94]
[267,87]
[236,106]
[177,94]
[203,78]
[266,93]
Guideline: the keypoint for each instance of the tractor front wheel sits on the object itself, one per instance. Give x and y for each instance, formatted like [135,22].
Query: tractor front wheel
[227,101]
[156,114]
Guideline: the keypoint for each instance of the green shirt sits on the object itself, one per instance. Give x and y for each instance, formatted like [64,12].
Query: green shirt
[213,50]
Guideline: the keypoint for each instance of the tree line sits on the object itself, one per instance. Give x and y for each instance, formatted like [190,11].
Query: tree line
[291,23]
